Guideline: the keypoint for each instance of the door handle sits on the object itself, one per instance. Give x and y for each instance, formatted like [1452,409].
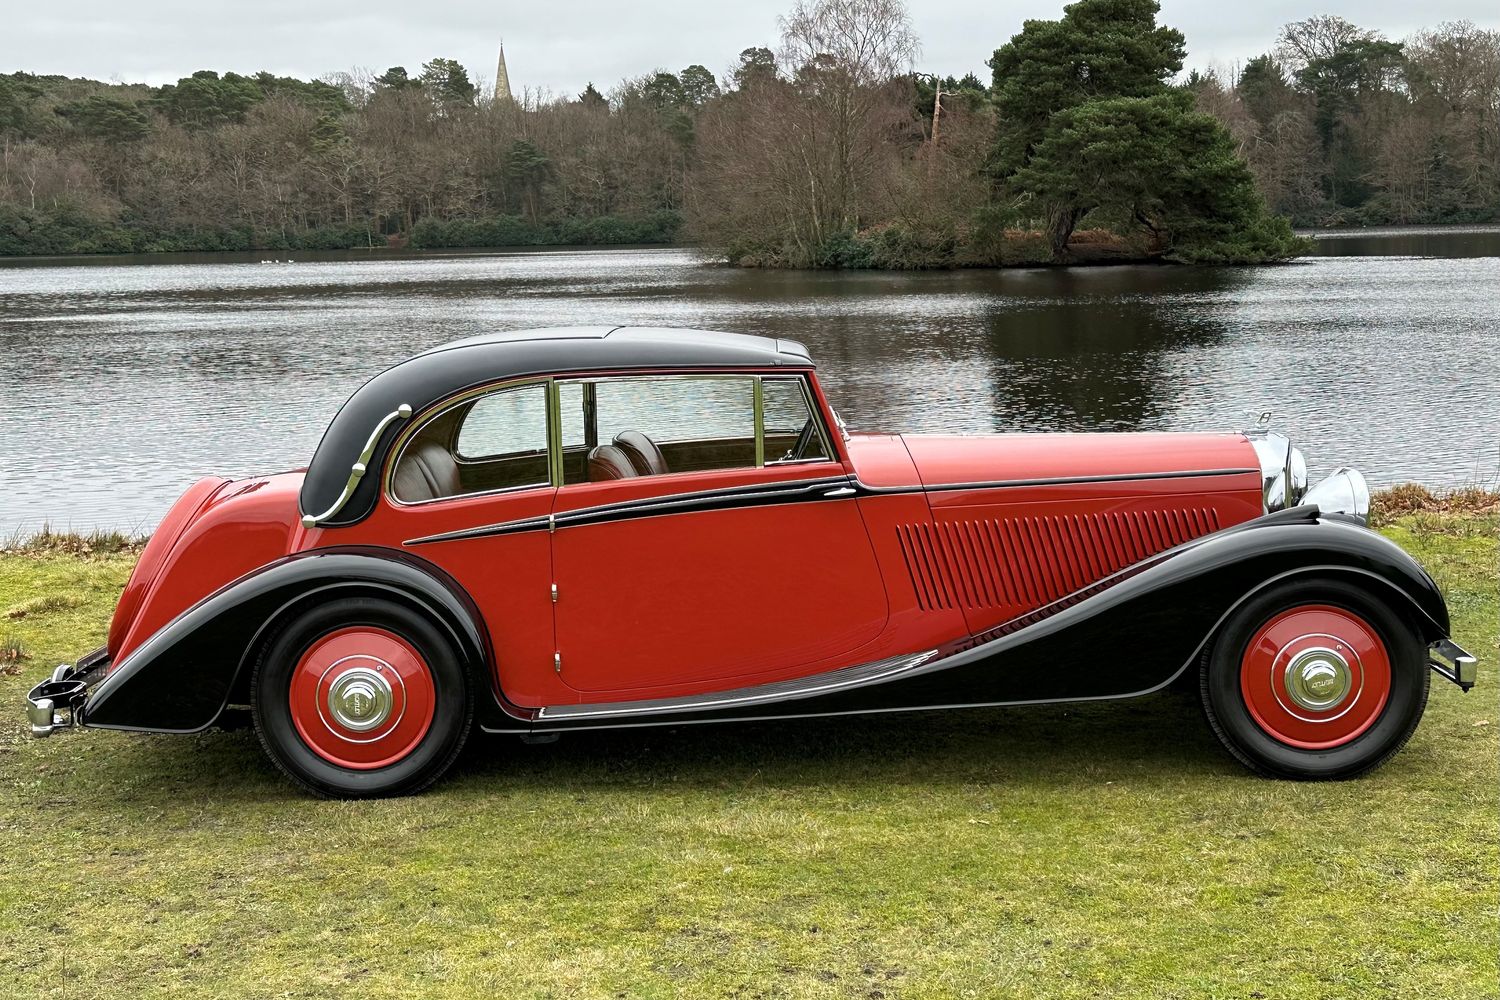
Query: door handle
[842,491]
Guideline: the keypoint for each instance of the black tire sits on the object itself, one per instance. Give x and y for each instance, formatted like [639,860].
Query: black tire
[1235,726]
[271,710]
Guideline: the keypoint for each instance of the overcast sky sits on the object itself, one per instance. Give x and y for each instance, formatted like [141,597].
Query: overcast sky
[560,45]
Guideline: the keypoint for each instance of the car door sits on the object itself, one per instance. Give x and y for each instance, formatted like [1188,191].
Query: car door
[470,491]
[722,559]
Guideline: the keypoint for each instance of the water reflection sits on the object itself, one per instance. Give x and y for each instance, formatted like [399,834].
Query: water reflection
[125,381]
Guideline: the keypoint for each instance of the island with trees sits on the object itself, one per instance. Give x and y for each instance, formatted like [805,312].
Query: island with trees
[1087,142]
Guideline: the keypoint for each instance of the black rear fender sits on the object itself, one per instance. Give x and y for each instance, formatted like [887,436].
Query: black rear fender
[181,679]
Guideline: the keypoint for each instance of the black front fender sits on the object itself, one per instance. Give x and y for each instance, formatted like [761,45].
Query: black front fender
[1137,631]
[180,679]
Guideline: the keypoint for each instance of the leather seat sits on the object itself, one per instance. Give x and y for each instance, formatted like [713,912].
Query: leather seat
[427,472]
[607,462]
[643,453]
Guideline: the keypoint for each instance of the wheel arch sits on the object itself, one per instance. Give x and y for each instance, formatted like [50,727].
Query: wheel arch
[1400,600]
[467,642]
[183,677]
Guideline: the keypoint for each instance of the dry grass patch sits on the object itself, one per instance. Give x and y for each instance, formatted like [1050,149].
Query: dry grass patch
[12,652]
[1412,498]
[71,543]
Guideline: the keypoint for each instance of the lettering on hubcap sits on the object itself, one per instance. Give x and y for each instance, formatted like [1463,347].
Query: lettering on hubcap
[1318,679]
[360,699]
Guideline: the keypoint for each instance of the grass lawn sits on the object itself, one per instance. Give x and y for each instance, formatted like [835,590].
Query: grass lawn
[1099,851]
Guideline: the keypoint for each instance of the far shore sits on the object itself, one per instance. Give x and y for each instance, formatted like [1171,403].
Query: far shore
[1084,254]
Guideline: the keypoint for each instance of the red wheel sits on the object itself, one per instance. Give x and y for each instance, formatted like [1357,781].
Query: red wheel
[1315,679]
[362,698]
[1315,676]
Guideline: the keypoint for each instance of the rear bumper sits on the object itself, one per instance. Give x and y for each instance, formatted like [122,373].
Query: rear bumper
[1448,659]
[57,703]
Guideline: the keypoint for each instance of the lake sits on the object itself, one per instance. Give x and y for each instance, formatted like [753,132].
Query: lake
[127,378]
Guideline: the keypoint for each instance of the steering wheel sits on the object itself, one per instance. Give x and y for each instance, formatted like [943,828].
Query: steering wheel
[798,451]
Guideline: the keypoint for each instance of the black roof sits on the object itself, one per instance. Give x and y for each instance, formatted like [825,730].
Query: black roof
[431,377]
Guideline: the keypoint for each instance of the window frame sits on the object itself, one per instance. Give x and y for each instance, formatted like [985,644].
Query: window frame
[589,382]
[813,413]
[463,459]
[398,450]
[757,379]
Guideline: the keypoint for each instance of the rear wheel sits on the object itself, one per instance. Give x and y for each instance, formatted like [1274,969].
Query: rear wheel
[1315,680]
[360,698]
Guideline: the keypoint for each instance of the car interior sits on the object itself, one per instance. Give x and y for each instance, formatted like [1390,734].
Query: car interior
[499,441]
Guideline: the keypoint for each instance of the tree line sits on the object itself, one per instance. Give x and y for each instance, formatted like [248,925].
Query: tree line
[1341,125]
[1086,142]
[239,162]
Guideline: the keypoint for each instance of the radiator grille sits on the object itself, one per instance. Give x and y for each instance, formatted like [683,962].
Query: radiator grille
[1022,563]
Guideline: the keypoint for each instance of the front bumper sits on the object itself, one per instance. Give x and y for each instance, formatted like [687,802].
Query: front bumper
[1448,659]
[57,703]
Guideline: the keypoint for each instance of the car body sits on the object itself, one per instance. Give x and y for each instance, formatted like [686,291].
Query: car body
[576,528]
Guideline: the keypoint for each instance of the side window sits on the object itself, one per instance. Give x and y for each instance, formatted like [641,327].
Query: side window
[504,423]
[646,425]
[786,413]
[497,442]
[678,409]
[573,399]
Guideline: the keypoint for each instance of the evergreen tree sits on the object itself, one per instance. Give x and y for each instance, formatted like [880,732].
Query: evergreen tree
[1099,49]
[395,78]
[698,85]
[105,118]
[592,99]
[757,66]
[448,82]
[1090,125]
[1157,163]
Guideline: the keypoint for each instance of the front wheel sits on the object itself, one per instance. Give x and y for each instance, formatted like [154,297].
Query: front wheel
[361,698]
[1314,680]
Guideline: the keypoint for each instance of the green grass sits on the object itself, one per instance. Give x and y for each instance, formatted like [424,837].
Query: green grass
[1109,850]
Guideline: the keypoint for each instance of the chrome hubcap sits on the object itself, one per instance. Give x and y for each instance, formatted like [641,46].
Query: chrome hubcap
[1318,679]
[360,699]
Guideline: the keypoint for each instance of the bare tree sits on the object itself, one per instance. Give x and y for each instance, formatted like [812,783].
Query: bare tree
[1319,37]
[790,160]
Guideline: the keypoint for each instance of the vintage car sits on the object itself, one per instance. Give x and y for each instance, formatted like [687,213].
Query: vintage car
[585,527]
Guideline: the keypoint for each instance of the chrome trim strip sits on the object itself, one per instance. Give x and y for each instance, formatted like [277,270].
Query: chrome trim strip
[775,691]
[681,502]
[357,471]
[686,501]
[758,413]
[998,484]
[555,469]
[486,530]
[645,507]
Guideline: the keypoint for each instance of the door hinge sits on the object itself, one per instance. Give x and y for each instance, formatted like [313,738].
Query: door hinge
[557,662]
[554,593]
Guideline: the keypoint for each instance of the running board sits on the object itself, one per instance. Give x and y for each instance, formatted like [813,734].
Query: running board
[777,691]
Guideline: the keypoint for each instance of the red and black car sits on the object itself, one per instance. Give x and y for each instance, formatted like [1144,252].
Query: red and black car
[582,528]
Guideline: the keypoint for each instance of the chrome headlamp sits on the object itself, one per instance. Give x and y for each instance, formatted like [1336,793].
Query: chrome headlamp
[1344,492]
[1283,470]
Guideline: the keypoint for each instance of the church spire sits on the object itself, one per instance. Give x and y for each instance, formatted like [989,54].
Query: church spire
[502,78]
